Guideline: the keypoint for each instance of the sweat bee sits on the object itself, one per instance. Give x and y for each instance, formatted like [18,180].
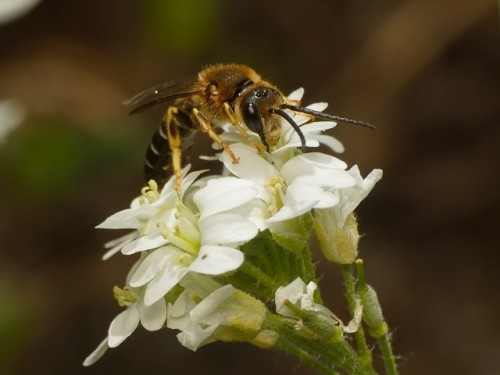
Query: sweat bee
[219,94]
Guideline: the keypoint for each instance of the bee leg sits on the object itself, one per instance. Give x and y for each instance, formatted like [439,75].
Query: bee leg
[175,144]
[207,127]
[232,118]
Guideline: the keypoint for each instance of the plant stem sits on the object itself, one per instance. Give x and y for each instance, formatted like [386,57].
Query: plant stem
[304,356]
[381,330]
[337,353]
[387,355]
[363,350]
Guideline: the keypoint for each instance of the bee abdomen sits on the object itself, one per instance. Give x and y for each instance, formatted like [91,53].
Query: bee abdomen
[157,155]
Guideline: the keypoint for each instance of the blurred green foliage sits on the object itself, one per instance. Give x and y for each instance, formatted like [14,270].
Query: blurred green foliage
[184,27]
[14,326]
[49,158]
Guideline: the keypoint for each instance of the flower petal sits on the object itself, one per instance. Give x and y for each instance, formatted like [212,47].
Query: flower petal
[255,211]
[117,244]
[195,336]
[216,260]
[226,228]
[153,264]
[317,169]
[300,198]
[122,326]
[320,107]
[352,197]
[291,292]
[223,194]
[317,127]
[296,94]
[125,219]
[331,142]
[97,353]
[153,317]
[169,276]
[146,242]
[211,303]
[251,166]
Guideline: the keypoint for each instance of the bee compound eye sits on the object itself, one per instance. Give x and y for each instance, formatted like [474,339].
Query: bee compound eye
[251,117]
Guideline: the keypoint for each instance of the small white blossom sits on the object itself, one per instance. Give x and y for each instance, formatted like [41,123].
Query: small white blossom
[198,321]
[124,324]
[205,305]
[350,198]
[336,226]
[150,214]
[205,242]
[302,296]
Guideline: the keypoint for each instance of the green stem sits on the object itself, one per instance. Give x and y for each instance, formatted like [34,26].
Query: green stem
[383,340]
[304,356]
[387,354]
[309,271]
[363,349]
[338,353]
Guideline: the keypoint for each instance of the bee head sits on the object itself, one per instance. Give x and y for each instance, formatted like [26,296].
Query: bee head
[260,110]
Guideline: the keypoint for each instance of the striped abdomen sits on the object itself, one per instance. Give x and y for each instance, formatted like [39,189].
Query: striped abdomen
[158,156]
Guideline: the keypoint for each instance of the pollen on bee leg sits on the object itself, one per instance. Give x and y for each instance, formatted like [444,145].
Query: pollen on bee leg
[178,181]
[177,167]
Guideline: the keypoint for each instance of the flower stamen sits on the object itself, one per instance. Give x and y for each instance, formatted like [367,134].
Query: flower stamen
[125,297]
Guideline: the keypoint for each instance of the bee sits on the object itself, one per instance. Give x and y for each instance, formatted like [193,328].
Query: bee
[219,94]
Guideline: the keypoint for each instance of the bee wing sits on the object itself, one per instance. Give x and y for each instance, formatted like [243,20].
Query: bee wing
[164,92]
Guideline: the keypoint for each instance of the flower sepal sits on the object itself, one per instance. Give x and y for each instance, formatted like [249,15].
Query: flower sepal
[338,243]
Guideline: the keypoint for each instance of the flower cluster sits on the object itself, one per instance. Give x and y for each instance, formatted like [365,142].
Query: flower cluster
[198,246]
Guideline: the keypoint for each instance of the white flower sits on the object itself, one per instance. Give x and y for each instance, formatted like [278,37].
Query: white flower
[198,321]
[303,182]
[124,324]
[336,227]
[205,305]
[302,296]
[207,245]
[150,214]
[232,195]
[350,198]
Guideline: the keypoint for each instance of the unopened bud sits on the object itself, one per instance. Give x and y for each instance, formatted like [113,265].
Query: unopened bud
[338,241]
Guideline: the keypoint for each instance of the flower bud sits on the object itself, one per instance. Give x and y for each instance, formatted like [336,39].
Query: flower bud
[372,312]
[338,241]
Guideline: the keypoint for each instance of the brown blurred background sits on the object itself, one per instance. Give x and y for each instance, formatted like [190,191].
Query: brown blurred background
[427,73]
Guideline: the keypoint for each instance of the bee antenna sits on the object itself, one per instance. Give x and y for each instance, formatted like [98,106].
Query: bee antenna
[326,116]
[294,125]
